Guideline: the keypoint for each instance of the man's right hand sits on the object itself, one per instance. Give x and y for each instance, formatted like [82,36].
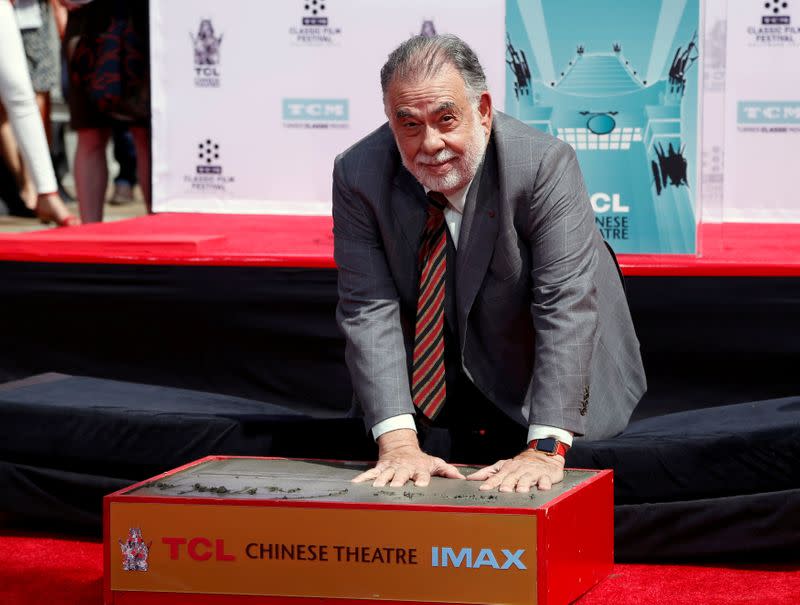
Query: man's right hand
[400,459]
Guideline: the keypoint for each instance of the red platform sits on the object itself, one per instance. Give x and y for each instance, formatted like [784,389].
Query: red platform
[728,249]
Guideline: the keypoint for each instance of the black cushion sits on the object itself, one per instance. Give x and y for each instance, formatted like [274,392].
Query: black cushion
[716,452]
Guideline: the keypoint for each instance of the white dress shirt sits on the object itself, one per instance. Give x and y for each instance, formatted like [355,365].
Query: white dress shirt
[452,216]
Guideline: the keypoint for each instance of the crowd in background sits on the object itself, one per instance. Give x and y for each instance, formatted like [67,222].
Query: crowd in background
[95,54]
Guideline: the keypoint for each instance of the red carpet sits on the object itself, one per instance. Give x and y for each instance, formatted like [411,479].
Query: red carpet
[694,585]
[44,570]
[41,570]
[307,241]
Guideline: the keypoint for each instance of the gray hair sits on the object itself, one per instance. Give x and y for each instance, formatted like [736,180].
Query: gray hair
[422,57]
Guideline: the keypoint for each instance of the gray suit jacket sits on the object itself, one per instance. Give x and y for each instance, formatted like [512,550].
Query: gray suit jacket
[544,324]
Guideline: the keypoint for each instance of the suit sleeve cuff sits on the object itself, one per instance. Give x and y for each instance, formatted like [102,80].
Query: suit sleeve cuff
[403,421]
[542,431]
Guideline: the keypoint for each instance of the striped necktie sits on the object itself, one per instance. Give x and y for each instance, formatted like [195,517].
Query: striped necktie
[427,377]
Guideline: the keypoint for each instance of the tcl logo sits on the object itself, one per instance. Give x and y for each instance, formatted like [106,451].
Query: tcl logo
[198,549]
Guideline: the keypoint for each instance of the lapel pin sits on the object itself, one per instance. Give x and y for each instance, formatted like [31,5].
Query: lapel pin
[491,213]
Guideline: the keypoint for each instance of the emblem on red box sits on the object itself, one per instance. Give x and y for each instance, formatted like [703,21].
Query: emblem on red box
[134,551]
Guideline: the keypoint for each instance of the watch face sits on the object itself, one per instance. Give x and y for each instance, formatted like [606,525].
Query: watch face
[548,445]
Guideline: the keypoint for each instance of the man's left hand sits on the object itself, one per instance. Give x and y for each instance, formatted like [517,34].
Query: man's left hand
[521,472]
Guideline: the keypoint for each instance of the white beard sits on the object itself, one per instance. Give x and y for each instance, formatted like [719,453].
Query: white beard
[463,170]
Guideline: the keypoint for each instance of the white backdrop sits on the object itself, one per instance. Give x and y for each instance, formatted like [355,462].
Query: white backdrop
[762,113]
[251,120]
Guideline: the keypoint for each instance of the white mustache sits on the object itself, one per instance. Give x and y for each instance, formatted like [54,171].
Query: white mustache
[443,156]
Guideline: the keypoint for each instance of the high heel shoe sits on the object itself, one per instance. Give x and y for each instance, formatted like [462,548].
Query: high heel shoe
[70,220]
[46,213]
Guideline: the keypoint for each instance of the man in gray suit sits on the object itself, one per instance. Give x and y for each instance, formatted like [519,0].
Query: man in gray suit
[533,343]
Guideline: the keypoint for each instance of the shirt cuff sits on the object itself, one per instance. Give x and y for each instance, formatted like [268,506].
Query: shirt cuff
[403,421]
[542,431]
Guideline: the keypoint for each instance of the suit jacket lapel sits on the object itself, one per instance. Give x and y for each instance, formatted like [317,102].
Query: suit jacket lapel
[477,237]
[408,207]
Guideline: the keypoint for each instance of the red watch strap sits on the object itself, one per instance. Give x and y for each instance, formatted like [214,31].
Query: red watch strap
[561,448]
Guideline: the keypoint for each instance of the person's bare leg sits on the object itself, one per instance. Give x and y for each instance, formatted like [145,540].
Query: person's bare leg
[12,156]
[9,149]
[8,144]
[141,140]
[91,172]
[27,190]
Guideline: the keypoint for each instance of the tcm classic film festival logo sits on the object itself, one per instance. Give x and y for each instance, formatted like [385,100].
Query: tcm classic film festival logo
[316,113]
[775,27]
[768,116]
[206,46]
[208,176]
[315,28]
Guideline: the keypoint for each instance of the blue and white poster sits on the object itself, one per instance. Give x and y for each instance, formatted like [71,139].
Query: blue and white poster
[618,81]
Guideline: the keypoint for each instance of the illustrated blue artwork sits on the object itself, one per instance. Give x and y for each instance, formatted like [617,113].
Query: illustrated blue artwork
[618,81]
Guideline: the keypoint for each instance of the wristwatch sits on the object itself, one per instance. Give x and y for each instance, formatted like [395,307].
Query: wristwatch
[549,446]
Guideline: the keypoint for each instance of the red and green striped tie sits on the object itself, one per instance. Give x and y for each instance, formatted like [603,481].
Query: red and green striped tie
[427,377]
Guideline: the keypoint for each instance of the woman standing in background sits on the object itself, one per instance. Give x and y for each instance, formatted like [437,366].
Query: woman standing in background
[18,98]
[107,41]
